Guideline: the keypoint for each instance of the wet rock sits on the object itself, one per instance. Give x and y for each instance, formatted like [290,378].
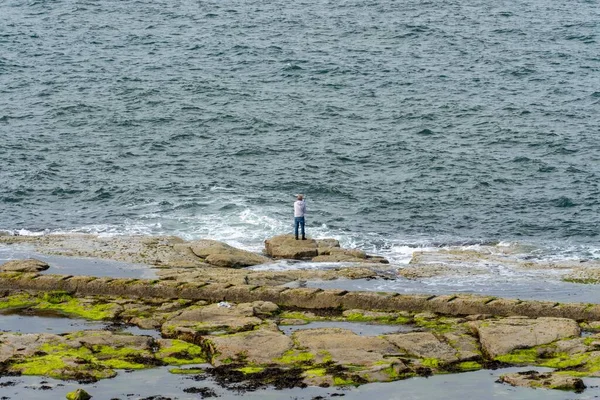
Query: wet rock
[153,250]
[534,379]
[293,321]
[327,244]
[584,275]
[234,377]
[422,271]
[377,316]
[505,335]
[204,392]
[78,394]
[222,255]
[153,398]
[260,346]
[29,265]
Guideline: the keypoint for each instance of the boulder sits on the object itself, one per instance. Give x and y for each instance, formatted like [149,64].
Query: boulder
[343,346]
[548,380]
[261,346]
[286,246]
[423,345]
[336,251]
[194,321]
[264,308]
[223,255]
[505,335]
[29,265]
[94,339]
[319,250]
[78,394]
[324,244]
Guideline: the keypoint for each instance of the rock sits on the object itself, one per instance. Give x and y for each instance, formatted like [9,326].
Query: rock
[263,278]
[466,346]
[327,243]
[534,379]
[264,308]
[508,334]
[23,345]
[340,257]
[320,250]
[178,352]
[343,346]
[79,394]
[261,346]
[422,271]
[146,323]
[29,265]
[195,321]
[286,246]
[163,251]
[584,275]
[293,321]
[367,315]
[574,346]
[223,255]
[93,339]
[423,345]
[384,372]
[85,356]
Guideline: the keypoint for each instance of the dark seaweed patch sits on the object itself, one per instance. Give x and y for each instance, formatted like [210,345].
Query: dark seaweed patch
[204,392]
[228,377]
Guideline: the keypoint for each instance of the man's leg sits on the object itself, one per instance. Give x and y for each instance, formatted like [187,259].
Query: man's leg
[296,223]
[302,226]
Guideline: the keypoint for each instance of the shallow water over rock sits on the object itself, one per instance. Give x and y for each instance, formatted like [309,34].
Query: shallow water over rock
[48,322]
[526,288]
[159,382]
[78,265]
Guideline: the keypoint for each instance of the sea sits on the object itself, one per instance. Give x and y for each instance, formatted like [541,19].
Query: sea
[406,124]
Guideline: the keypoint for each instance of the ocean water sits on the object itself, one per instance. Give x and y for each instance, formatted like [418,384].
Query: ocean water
[406,123]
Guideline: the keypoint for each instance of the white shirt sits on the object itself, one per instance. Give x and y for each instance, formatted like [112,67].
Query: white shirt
[299,208]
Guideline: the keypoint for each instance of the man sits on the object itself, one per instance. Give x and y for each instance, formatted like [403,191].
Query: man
[299,211]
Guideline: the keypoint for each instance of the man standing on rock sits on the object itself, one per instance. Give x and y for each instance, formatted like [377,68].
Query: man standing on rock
[299,211]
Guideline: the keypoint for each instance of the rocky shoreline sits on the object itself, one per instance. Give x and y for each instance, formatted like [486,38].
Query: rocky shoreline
[213,312]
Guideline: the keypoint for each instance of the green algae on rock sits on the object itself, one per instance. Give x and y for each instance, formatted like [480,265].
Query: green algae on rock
[91,355]
[61,302]
[178,352]
[78,394]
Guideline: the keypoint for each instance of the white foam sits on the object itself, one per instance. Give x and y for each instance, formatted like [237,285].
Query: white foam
[287,265]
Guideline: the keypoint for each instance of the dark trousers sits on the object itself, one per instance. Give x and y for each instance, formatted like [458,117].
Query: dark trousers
[298,222]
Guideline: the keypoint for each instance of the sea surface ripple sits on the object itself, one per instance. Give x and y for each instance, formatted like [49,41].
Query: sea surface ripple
[405,122]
